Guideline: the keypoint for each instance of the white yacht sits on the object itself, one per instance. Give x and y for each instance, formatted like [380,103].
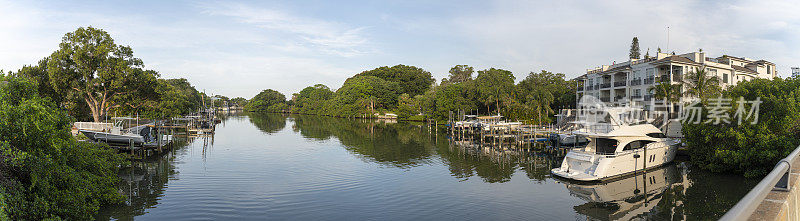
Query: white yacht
[623,150]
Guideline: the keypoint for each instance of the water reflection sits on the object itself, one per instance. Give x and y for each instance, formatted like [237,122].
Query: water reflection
[629,197]
[386,143]
[286,173]
[266,122]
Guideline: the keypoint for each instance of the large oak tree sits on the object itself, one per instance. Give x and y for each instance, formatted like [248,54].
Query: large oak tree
[89,65]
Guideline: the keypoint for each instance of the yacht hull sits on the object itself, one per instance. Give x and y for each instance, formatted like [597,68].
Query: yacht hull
[582,166]
[125,139]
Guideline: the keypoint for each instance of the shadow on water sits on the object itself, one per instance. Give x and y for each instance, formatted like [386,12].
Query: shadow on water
[675,191]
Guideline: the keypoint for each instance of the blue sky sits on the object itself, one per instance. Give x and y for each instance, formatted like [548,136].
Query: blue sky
[240,48]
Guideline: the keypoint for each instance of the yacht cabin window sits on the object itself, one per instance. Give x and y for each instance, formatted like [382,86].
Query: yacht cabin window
[638,144]
[605,146]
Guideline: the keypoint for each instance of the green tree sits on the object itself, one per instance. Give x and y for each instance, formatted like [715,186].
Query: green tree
[363,94]
[408,79]
[140,96]
[459,74]
[313,99]
[264,100]
[89,65]
[494,85]
[635,52]
[667,92]
[700,85]
[238,101]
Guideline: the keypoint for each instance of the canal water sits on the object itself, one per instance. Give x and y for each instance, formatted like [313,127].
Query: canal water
[296,167]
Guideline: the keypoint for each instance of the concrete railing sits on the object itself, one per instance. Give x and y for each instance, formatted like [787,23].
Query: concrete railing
[93,126]
[776,197]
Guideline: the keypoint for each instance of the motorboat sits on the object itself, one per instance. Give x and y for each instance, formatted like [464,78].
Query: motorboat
[135,135]
[117,134]
[624,150]
[571,138]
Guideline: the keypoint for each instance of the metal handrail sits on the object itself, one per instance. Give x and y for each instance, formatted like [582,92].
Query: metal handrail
[778,179]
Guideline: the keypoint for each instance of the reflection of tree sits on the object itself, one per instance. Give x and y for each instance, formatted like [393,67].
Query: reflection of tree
[267,122]
[143,184]
[491,165]
[399,145]
[714,196]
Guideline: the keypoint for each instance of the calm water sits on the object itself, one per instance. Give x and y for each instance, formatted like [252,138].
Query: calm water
[269,166]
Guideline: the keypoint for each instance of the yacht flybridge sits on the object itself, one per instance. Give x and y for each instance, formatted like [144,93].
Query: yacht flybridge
[617,149]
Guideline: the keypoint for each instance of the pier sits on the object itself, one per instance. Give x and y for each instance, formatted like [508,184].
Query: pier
[163,132]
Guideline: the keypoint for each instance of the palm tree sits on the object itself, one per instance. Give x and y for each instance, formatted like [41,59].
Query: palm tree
[668,92]
[540,101]
[700,85]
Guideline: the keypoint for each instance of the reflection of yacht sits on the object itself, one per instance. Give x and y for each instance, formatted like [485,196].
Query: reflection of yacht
[625,149]
[626,198]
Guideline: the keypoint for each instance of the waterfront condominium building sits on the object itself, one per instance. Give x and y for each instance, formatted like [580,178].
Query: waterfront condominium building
[619,83]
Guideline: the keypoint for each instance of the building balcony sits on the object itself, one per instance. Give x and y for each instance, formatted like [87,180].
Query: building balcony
[605,99]
[605,85]
[636,97]
[620,98]
[649,80]
[648,97]
[636,82]
[620,83]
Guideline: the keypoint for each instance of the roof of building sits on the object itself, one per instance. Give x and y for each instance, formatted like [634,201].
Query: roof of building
[763,62]
[620,68]
[743,69]
[676,58]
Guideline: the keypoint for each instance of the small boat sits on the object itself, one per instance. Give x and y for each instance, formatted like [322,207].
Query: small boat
[624,150]
[569,139]
[135,135]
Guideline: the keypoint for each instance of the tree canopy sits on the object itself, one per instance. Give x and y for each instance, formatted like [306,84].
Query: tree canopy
[408,79]
[90,66]
[268,100]
[494,85]
[459,74]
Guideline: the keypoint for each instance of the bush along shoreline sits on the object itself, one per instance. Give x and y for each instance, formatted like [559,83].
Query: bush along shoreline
[746,148]
[46,173]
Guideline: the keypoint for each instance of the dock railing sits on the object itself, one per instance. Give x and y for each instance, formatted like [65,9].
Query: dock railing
[777,180]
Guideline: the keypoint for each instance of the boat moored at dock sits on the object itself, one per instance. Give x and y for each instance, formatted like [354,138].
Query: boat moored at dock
[623,150]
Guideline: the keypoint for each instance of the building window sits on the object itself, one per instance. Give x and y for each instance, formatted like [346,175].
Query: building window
[650,72]
[637,92]
[725,78]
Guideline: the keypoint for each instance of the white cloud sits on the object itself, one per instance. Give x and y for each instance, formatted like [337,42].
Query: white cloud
[325,36]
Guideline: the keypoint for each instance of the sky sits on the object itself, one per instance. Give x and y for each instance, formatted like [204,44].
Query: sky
[239,48]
